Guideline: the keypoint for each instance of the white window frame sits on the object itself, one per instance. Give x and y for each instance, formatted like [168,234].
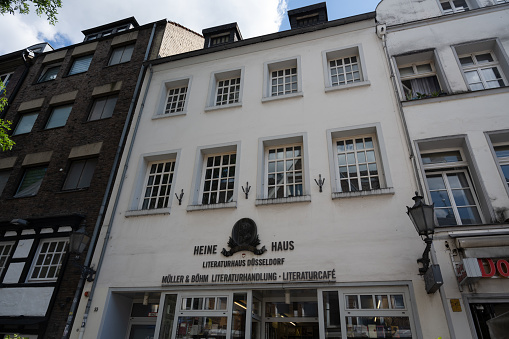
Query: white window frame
[267,143]
[139,186]
[277,65]
[149,178]
[117,49]
[445,168]
[501,161]
[219,167]
[85,59]
[166,87]
[24,116]
[285,172]
[215,79]
[453,7]
[46,69]
[478,67]
[342,53]
[417,75]
[5,255]
[5,78]
[61,253]
[202,154]
[86,173]
[373,130]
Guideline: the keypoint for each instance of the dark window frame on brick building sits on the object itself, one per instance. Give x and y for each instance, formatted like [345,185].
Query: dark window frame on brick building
[103,107]
[23,119]
[58,116]
[120,54]
[49,73]
[80,64]
[31,181]
[4,177]
[80,174]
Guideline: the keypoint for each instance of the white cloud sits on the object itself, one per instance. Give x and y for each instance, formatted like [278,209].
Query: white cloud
[254,17]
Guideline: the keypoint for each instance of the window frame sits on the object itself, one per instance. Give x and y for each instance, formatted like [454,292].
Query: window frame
[86,58]
[497,139]
[262,177]
[38,253]
[146,181]
[341,53]
[166,87]
[276,65]
[417,75]
[87,179]
[139,186]
[5,256]
[25,170]
[118,48]
[5,174]
[204,179]
[351,132]
[45,70]
[6,77]
[215,79]
[453,9]
[53,110]
[23,116]
[202,153]
[502,161]
[107,98]
[478,67]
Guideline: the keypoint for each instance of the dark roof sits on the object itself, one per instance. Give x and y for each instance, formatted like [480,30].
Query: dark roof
[222,28]
[130,20]
[264,38]
[307,9]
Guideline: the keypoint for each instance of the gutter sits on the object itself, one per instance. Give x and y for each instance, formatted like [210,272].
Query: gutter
[100,217]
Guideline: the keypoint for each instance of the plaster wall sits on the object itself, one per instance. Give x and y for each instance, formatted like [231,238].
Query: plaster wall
[26,301]
[361,238]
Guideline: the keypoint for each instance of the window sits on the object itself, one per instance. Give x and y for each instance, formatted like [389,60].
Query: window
[174,97]
[158,184]
[450,188]
[221,39]
[103,108]
[419,79]
[49,73]
[5,252]
[5,78]
[344,68]
[218,178]
[284,171]
[31,182]
[121,54]
[357,164]
[80,174]
[4,177]
[453,6]
[358,161]
[48,260]
[58,116]
[176,100]
[282,79]
[215,179]
[481,70]
[283,167]
[502,153]
[225,89]
[25,123]
[80,64]
[307,20]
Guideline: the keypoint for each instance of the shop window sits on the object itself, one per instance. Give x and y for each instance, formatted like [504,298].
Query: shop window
[5,252]
[211,323]
[80,174]
[25,123]
[31,181]
[58,116]
[103,107]
[48,260]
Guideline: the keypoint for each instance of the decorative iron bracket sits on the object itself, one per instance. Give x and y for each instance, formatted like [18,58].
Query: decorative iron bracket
[179,198]
[246,191]
[320,182]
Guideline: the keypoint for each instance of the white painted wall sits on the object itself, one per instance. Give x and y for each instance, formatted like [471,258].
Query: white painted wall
[26,301]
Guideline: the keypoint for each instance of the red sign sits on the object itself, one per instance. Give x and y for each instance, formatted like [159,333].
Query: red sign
[489,267]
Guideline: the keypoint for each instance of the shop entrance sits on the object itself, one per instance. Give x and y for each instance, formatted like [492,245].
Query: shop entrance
[491,320]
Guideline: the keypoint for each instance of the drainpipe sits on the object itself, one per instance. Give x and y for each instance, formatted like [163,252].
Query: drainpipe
[382,33]
[100,218]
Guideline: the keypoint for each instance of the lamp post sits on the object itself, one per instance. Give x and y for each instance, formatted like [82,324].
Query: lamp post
[423,218]
[78,241]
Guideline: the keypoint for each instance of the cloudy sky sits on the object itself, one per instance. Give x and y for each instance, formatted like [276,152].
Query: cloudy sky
[254,17]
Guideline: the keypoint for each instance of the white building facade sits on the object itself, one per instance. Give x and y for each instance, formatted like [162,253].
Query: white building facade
[450,64]
[262,194]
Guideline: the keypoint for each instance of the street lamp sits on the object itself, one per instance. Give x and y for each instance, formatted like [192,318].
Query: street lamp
[78,241]
[423,218]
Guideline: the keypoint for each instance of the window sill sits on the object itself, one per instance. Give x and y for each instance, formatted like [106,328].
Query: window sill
[139,213]
[168,115]
[192,208]
[302,198]
[341,87]
[281,97]
[456,96]
[381,191]
[73,190]
[215,108]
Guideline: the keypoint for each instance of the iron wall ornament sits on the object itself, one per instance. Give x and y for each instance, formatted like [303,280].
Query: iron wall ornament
[244,238]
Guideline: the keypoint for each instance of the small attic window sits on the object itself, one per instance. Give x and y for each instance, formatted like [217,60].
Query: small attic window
[307,20]
[219,39]
[91,37]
